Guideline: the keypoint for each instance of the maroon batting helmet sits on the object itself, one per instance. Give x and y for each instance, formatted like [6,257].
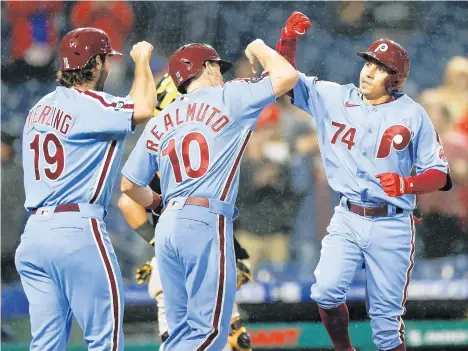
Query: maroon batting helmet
[186,62]
[393,56]
[80,45]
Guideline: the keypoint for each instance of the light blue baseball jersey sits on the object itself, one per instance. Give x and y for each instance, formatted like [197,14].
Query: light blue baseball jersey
[358,140]
[72,146]
[196,143]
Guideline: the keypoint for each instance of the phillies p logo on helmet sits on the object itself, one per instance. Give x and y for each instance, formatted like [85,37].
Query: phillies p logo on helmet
[382,47]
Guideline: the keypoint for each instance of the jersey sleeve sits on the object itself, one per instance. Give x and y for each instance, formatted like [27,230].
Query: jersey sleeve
[311,95]
[428,152]
[142,164]
[246,98]
[105,114]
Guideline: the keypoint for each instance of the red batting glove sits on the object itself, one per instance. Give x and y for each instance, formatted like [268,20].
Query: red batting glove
[394,185]
[297,25]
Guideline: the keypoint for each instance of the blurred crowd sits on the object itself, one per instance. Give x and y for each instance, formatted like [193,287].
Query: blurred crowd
[284,199]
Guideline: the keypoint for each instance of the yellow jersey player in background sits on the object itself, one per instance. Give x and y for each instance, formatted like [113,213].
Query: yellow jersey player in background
[137,217]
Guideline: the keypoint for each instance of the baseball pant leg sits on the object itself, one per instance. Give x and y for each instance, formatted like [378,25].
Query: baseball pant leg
[50,314]
[389,262]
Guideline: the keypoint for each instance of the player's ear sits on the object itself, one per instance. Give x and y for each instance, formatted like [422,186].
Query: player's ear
[99,64]
[208,67]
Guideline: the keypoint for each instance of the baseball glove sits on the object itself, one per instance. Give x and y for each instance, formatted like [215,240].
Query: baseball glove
[167,93]
[239,339]
[243,273]
[143,272]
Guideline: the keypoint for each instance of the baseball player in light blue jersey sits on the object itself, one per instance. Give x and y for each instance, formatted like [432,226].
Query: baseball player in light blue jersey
[137,217]
[196,144]
[72,145]
[371,139]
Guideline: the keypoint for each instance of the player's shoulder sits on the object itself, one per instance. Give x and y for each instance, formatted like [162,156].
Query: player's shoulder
[236,84]
[409,105]
[322,84]
[242,84]
[408,111]
[101,99]
[244,81]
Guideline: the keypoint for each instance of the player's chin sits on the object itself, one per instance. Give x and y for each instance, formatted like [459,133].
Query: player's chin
[365,88]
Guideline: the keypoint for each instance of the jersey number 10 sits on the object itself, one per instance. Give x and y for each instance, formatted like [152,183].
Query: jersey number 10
[55,162]
[170,150]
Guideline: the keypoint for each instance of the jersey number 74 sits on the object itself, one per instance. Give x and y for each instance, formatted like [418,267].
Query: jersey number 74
[396,136]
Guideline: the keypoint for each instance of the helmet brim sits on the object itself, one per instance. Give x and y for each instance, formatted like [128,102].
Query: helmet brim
[114,53]
[224,65]
[366,55]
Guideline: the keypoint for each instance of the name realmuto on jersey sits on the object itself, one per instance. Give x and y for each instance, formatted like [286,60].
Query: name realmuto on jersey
[52,117]
[203,114]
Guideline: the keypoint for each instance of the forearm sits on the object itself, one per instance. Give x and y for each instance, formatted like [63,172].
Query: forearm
[134,214]
[283,76]
[287,49]
[270,60]
[427,182]
[137,218]
[143,196]
[143,92]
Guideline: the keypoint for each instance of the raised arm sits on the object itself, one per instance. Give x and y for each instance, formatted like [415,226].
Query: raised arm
[283,76]
[143,90]
[296,26]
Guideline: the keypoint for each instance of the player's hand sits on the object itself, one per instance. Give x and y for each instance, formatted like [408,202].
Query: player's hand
[143,272]
[297,25]
[141,51]
[395,185]
[250,52]
[244,274]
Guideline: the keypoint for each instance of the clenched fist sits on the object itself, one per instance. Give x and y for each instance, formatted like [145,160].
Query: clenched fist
[141,51]
[297,25]
[252,51]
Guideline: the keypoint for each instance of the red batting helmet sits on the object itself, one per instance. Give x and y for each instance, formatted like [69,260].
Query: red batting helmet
[393,56]
[186,62]
[80,45]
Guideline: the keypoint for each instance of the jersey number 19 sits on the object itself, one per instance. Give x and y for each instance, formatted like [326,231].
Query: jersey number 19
[53,163]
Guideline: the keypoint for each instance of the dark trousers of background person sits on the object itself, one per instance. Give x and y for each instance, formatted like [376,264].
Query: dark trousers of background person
[443,235]
[19,71]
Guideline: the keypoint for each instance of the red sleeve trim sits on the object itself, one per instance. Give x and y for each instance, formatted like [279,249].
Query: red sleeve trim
[428,181]
[104,102]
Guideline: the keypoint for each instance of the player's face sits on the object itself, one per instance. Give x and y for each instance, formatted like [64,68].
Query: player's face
[214,71]
[372,79]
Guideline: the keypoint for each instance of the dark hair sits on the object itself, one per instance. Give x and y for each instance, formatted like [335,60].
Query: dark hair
[78,76]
